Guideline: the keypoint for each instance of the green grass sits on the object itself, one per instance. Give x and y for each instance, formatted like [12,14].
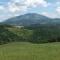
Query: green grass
[29,51]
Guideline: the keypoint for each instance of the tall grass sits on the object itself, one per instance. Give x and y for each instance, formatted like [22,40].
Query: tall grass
[29,51]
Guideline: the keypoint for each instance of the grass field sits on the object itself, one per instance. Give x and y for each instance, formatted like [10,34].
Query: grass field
[29,51]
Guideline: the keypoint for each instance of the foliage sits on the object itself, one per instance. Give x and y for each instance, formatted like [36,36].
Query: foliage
[40,34]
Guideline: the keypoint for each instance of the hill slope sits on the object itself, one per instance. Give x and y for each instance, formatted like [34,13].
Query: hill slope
[31,18]
[28,19]
[40,34]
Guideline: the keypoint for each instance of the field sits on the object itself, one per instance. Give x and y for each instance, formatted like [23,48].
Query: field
[29,51]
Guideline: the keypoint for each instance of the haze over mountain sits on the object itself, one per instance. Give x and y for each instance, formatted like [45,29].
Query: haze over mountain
[31,18]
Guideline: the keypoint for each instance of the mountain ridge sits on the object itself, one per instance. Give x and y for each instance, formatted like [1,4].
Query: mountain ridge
[30,18]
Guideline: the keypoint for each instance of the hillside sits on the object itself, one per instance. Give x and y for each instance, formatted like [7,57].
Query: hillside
[29,51]
[31,18]
[11,33]
[33,34]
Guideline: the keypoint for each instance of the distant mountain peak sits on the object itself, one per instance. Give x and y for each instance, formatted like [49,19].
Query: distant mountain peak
[28,19]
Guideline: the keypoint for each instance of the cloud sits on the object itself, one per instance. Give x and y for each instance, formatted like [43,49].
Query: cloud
[1,7]
[58,10]
[51,15]
[36,3]
[13,8]
[22,6]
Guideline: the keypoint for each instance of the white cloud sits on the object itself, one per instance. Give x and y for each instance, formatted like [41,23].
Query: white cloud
[2,7]
[15,6]
[51,15]
[58,10]
[36,3]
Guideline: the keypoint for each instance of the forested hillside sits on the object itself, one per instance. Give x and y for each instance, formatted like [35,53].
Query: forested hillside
[33,34]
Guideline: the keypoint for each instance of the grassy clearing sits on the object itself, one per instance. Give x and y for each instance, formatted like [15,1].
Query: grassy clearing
[29,51]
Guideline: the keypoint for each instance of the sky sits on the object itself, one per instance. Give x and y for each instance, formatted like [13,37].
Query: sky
[11,8]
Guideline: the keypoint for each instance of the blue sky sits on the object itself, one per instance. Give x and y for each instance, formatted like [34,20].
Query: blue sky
[11,8]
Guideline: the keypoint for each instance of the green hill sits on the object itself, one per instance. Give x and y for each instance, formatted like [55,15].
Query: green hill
[40,34]
[29,51]
[10,33]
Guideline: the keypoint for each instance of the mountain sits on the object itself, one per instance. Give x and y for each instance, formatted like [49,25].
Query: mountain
[31,18]
[28,19]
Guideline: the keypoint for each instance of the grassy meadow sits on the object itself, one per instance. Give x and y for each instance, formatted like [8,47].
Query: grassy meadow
[29,51]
